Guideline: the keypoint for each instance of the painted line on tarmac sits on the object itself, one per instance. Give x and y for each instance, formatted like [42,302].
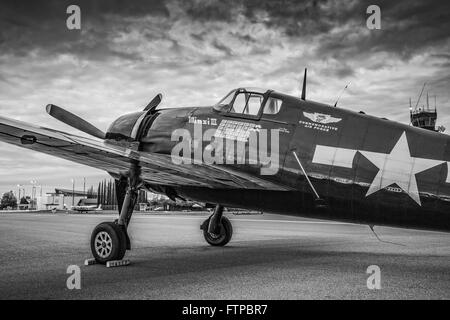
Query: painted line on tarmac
[235,218]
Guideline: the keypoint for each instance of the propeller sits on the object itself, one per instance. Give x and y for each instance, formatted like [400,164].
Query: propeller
[74,121]
[154,103]
[84,126]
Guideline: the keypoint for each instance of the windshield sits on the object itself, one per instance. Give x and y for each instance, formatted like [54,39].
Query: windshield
[242,101]
[224,104]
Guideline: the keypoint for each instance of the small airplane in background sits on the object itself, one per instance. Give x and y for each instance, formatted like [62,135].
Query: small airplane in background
[260,150]
[86,208]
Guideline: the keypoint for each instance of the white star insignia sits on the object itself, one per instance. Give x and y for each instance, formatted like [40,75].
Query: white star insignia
[398,167]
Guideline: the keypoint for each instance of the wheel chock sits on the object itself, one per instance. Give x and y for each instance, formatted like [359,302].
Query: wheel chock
[109,264]
[90,262]
[117,263]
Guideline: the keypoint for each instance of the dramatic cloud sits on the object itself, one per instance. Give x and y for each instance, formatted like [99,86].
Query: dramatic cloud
[196,51]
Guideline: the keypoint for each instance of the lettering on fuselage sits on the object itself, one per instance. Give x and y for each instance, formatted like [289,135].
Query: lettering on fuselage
[236,130]
[206,122]
[284,130]
[397,167]
[232,142]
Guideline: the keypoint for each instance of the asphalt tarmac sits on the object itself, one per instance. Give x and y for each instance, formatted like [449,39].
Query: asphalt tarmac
[269,257]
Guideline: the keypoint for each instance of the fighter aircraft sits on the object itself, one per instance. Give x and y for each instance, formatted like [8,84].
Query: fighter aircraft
[260,150]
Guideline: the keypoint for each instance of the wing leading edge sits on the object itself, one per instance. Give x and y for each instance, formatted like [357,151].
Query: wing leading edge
[113,158]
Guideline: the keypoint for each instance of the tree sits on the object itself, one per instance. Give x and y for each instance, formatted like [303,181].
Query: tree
[99,195]
[8,200]
[91,193]
[102,195]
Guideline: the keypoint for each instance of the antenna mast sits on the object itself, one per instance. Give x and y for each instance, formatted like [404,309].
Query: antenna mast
[303,97]
[420,96]
[342,92]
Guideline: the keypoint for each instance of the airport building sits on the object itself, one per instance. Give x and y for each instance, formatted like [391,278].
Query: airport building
[61,199]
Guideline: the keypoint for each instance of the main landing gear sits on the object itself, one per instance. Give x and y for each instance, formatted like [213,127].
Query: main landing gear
[217,229]
[110,240]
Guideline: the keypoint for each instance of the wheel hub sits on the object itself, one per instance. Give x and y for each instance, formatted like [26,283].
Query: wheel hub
[214,235]
[103,244]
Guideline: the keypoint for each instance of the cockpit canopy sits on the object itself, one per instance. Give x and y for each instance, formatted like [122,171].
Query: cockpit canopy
[248,102]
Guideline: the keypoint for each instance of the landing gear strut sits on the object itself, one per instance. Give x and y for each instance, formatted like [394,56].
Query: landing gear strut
[110,240]
[217,229]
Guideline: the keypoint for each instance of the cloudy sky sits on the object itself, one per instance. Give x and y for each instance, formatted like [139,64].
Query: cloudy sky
[196,51]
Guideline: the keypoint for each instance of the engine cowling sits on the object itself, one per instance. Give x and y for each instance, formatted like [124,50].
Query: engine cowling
[127,127]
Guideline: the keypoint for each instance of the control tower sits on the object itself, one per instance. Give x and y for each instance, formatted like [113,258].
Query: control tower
[425,116]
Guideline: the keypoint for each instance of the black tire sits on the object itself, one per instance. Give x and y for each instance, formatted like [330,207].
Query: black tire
[108,242]
[221,239]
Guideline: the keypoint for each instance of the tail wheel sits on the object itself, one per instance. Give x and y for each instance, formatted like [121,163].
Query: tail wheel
[223,237]
[108,242]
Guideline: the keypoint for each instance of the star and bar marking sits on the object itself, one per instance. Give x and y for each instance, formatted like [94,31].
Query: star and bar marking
[397,167]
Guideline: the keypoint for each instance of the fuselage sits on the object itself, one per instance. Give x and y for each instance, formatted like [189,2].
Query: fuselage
[368,170]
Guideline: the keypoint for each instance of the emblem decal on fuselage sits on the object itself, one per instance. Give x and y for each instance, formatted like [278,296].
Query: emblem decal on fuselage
[320,121]
[397,167]
[321,118]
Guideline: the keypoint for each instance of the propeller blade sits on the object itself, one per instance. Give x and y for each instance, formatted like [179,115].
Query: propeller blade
[74,121]
[154,103]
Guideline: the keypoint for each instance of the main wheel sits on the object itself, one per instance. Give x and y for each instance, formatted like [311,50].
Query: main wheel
[223,237]
[108,242]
